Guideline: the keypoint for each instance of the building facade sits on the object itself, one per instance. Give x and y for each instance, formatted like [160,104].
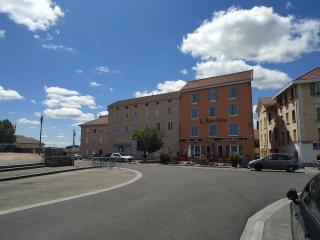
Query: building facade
[159,111]
[216,116]
[294,126]
[95,137]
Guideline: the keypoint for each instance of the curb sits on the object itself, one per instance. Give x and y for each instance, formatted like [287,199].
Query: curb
[255,224]
[42,174]
[136,178]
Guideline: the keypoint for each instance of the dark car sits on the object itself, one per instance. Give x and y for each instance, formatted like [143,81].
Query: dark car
[276,161]
[305,211]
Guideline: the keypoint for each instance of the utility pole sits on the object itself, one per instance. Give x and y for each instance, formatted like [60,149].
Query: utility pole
[73,140]
[41,121]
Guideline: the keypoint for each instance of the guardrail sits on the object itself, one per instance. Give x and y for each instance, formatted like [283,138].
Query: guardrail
[106,162]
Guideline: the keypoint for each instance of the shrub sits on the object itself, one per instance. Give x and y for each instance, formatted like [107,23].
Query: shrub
[234,158]
[164,158]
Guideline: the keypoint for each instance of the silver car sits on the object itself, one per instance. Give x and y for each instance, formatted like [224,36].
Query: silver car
[275,161]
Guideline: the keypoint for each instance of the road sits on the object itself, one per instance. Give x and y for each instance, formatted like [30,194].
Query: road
[167,203]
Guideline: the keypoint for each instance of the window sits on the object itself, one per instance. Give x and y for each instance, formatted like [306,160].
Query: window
[318,134]
[212,112]
[315,200]
[233,92]
[135,114]
[234,149]
[317,89]
[126,116]
[194,131]
[157,103]
[233,109]
[117,129]
[292,93]
[318,113]
[212,95]
[94,131]
[117,116]
[169,111]
[270,136]
[288,136]
[287,118]
[233,129]
[87,140]
[87,130]
[194,113]
[170,126]
[157,113]
[135,106]
[146,104]
[194,98]
[126,107]
[294,135]
[285,98]
[213,130]
[293,116]
[126,129]
[269,117]
[146,114]
[100,140]
[158,126]
[135,126]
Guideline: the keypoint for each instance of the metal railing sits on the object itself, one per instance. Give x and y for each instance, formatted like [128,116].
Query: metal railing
[105,162]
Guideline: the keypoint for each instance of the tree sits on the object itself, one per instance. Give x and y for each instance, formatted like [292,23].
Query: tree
[7,132]
[148,139]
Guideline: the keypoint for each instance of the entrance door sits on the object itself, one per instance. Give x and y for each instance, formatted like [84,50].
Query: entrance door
[220,151]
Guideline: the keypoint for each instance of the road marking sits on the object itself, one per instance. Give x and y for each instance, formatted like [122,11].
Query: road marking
[136,178]
[255,224]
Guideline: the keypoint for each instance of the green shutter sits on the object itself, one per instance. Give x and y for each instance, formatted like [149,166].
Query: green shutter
[313,89]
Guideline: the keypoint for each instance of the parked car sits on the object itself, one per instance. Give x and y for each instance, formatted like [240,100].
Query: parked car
[305,211]
[121,158]
[77,156]
[276,161]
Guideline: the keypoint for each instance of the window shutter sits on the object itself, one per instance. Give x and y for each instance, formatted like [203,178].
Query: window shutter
[312,89]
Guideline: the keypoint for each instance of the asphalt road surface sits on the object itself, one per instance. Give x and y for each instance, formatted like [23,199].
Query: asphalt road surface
[167,203]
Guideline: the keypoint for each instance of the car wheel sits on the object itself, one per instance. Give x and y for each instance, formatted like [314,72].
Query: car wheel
[258,167]
[290,169]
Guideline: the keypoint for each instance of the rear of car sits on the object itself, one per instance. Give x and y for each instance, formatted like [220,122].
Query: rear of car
[305,211]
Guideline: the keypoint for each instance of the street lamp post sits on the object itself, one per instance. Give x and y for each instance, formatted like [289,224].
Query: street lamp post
[41,121]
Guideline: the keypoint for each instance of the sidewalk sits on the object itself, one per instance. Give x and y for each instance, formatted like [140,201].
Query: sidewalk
[15,194]
[278,226]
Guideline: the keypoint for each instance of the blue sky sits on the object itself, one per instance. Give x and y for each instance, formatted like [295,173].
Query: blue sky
[70,59]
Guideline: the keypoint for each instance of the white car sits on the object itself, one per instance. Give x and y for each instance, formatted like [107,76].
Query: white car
[121,158]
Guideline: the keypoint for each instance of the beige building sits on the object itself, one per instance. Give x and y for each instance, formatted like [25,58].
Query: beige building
[94,137]
[159,111]
[293,120]
[28,144]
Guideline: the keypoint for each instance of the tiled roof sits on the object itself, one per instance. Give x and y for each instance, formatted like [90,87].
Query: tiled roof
[156,97]
[102,120]
[267,101]
[26,140]
[218,80]
[313,74]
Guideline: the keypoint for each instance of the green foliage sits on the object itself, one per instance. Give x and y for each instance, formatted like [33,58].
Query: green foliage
[234,158]
[148,139]
[164,158]
[7,132]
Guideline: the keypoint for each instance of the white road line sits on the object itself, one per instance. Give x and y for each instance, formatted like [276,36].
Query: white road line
[136,178]
[255,224]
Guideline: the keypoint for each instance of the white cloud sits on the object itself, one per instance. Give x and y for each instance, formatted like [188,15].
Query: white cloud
[61,135]
[69,113]
[257,34]
[289,5]
[263,78]
[59,91]
[167,86]
[35,14]
[37,114]
[33,101]
[103,69]
[36,36]
[57,47]
[12,112]
[184,71]
[111,89]
[79,71]
[255,116]
[8,94]
[102,113]
[2,33]
[95,84]
[24,121]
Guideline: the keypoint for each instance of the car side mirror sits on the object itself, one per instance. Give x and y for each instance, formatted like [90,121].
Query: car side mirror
[293,195]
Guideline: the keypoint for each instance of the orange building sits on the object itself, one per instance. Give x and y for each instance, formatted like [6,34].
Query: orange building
[216,116]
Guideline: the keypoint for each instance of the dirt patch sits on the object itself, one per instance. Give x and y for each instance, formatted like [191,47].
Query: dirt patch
[19,158]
